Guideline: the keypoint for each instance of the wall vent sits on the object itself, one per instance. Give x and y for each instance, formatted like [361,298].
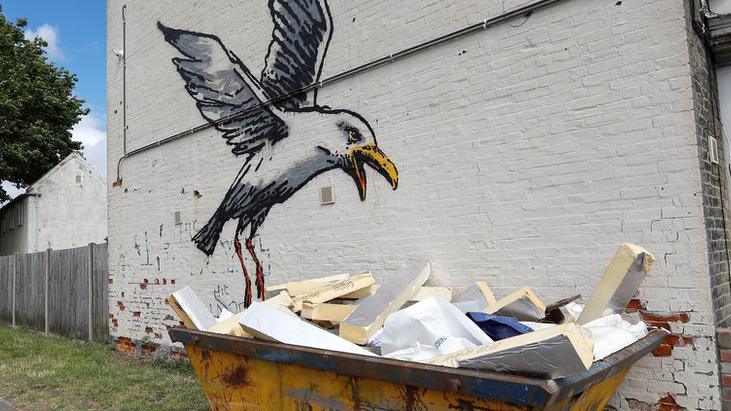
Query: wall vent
[178,218]
[78,178]
[713,149]
[327,195]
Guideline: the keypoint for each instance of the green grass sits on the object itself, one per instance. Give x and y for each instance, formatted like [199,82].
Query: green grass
[54,373]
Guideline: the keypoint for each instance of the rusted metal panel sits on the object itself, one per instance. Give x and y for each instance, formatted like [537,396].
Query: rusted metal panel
[238,373]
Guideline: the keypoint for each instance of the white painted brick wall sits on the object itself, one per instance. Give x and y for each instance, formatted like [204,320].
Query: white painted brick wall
[526,154]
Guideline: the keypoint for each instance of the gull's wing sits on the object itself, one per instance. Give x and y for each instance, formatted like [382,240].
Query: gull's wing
[302,32]
[222,86]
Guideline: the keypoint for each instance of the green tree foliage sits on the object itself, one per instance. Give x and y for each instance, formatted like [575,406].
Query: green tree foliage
[37,108]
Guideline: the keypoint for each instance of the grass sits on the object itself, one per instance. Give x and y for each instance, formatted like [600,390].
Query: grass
[54,373]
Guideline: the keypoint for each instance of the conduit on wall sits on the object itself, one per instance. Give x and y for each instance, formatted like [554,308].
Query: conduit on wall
[526,11]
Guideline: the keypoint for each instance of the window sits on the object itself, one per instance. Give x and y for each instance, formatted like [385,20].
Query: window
[19,214]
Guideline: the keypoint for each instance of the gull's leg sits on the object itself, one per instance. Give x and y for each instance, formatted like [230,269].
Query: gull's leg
[259,271]
[247,280]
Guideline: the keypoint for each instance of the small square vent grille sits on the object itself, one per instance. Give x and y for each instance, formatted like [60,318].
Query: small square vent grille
[713,149]
[178,219]
[78,178]
[327,195]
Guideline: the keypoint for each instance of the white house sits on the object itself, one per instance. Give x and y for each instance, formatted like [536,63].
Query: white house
[65,208]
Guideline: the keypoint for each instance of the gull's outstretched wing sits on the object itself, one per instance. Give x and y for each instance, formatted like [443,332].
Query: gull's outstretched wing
[222,86]
[302,32]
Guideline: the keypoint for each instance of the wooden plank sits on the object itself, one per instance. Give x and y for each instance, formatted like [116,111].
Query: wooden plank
[426,292]
[326,312]
[359,326]
[553,352]
[620,282]
[362,293]
[334,290]
[285,286]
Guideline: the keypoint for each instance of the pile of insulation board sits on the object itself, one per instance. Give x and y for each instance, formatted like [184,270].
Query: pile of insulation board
[404,319]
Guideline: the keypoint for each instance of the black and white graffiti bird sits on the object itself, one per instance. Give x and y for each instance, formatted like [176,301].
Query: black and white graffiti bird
[284,144]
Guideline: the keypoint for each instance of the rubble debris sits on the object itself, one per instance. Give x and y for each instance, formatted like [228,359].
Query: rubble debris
[190,309]
[372,311]
[476,298]
[620,282]
[557,313]
[429,328]
[270,324]
[554,352]
[334,290]
[522,304]
[231,324]
[497,327]
[326,312]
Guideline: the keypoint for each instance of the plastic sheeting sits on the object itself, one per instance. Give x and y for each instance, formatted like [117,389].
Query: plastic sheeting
[612,333]
[427,329]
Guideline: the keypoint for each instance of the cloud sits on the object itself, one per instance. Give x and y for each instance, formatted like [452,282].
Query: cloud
[50,35]
[91,132]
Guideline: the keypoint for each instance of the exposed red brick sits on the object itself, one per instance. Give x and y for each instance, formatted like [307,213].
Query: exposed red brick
[120,305]
[143,285]
[136,313]
[635,305]
[169,317]
[148,330]
[726,394]
[117,183]
[670,317]
[663,350]
[724,337]
[725,355]
[726,380]
[164,281]
[172,281]
[667,403]
[677,340]
[125,345]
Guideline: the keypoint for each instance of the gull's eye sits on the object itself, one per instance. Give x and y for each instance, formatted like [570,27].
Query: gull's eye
[353,136]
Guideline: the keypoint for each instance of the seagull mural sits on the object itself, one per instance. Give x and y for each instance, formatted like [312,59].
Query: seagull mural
[284,140]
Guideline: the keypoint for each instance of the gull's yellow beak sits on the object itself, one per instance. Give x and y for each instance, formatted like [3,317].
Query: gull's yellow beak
[373,156]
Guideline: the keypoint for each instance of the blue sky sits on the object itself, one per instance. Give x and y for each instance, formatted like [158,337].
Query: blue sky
[76,33]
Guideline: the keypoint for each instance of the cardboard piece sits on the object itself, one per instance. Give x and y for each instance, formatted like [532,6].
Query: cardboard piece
[326,312]
[475,298]
[372,311]
[334,290]
[620,282]
[190,309]
[270,324]
[522,304]
[554,352]
[426,292]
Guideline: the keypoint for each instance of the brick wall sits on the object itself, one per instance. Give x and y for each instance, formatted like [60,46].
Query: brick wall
[713,178]
[526,154]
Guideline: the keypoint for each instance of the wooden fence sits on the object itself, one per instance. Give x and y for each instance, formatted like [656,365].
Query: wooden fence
[63,292]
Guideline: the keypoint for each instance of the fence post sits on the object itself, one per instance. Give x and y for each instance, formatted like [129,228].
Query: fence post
[15,291]
[45,292]
[91,290]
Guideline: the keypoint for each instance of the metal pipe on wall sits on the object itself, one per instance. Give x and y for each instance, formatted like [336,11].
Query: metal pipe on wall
[526,10]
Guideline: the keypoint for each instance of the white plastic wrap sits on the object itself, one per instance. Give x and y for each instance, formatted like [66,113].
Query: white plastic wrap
[612,333]
[427,329]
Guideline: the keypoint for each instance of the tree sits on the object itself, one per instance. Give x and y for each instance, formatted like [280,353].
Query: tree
[37,108]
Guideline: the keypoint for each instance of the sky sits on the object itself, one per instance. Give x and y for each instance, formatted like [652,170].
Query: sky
[76,34]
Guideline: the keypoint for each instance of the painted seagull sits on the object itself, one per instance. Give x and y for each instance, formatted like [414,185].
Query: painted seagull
[285,144]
